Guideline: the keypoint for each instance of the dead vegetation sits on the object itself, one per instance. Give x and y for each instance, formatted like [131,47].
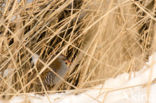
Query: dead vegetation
[101,38]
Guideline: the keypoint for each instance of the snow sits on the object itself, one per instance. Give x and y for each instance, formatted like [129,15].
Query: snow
[7,72]
[35,58]
[115,90]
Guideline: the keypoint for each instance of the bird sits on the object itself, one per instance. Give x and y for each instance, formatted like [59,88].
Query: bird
[59,66]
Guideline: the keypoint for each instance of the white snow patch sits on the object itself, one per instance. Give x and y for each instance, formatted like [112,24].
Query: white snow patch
[8,72]
[35,58]
[13,18]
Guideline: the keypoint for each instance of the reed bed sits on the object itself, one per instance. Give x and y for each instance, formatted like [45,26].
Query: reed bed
[101,39]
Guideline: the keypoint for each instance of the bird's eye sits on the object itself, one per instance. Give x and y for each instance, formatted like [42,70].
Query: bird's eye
[67,62]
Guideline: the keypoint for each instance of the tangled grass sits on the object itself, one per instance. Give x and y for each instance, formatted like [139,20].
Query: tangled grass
[101,38]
